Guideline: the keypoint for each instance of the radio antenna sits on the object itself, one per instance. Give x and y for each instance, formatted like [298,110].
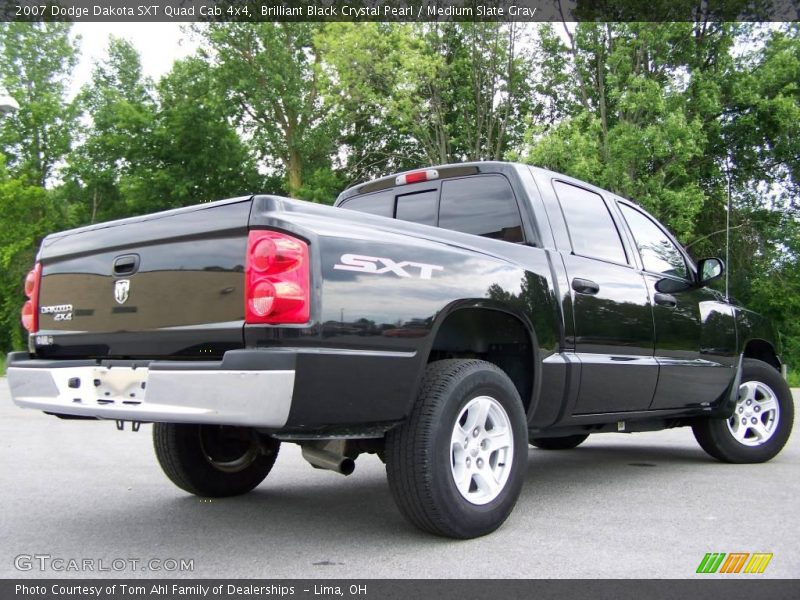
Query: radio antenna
[728,232]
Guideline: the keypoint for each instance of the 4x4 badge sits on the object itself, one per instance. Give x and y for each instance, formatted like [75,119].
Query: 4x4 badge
[121,290]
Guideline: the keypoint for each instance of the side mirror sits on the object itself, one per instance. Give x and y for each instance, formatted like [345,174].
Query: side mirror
[708,270]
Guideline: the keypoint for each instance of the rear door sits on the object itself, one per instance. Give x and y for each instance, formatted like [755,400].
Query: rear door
[614,336]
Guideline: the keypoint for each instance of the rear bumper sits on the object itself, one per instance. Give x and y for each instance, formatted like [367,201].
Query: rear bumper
[229,392]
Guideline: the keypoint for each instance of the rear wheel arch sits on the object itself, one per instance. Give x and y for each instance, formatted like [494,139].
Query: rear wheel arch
[495,333]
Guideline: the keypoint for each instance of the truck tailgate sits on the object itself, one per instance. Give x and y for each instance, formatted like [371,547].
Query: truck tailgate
[167,284]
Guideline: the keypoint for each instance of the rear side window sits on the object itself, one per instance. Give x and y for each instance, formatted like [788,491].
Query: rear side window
[483,206]
[418,208]
[591,229]
[379,203]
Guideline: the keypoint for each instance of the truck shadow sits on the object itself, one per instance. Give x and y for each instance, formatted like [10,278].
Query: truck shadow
[328,509]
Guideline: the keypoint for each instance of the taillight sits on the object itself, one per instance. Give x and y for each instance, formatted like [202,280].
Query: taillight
[30,310]
[277,279]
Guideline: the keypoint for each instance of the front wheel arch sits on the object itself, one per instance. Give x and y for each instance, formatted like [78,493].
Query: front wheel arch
[762,350]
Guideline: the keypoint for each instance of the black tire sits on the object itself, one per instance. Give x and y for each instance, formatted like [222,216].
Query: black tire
[559,443]
[212,460]
[715,436]
[419,453]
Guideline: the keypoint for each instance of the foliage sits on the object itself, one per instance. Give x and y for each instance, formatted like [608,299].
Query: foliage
[670,115]
[410,94]
[196,154]
[27,213]
[673,115]
[115,144]
[270,73]
[34,61]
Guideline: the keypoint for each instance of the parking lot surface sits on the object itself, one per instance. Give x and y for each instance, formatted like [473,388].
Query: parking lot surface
[647,505]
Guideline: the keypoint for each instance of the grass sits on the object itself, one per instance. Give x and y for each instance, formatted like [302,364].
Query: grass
[2,365]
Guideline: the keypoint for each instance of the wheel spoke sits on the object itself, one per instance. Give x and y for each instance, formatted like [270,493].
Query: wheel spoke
[483,412]
[500,438]
[458,437]
[463,478]
[747,391]
[768,404]
[738,430]
[761,431]
[487,484]
[472,419]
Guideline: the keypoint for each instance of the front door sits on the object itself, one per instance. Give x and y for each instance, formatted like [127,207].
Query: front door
[695,332]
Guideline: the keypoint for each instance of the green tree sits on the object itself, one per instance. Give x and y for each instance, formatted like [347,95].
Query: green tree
[36,60]
[27,213]
[196,154]
[117,143]
[626,125]
[367,83]
[429,93]
[670,114]
[270,72]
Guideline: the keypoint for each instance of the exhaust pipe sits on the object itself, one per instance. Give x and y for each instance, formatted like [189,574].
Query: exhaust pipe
[329,455]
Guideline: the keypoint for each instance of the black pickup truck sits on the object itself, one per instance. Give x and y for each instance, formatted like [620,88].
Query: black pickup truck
[442,319]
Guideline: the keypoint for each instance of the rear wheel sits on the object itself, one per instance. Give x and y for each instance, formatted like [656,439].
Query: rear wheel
[457,465]
[760,424]
[559,443]
[213,460]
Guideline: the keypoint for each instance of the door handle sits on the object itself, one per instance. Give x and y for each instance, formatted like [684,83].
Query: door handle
[667,300]
[585,286]
[126,265]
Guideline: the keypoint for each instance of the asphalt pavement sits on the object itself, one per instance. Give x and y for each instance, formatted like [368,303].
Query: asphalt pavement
[644,505]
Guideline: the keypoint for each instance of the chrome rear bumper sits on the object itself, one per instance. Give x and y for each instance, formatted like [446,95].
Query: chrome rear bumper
[222,397]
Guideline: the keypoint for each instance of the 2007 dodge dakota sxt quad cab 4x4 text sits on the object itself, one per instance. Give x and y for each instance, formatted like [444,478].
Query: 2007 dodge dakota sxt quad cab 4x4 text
[441,318]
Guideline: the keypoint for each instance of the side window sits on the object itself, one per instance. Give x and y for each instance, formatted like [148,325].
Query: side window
[378,203]
[482,205]
[659,254]
[591,229]
[418,208]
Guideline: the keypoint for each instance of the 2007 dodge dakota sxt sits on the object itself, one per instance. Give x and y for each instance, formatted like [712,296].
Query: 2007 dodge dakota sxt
[443,318]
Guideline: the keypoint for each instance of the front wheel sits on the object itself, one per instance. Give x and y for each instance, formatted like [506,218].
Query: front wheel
[761,421]
[213,460]
[457,465]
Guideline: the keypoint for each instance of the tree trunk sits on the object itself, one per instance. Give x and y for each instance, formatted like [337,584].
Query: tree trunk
[294,168]
[94,206]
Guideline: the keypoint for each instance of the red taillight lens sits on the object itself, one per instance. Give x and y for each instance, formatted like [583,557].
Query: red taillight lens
[30,310]
[263,254]
[30,283]
[29,317]
[277,279]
